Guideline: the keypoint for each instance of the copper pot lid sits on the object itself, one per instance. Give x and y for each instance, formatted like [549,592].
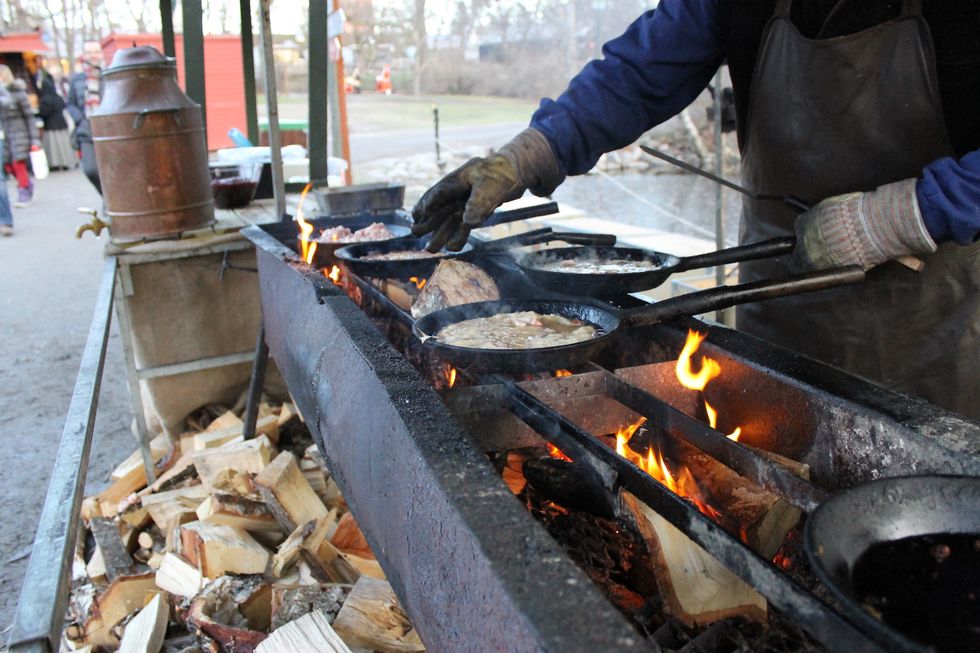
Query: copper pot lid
[137,58]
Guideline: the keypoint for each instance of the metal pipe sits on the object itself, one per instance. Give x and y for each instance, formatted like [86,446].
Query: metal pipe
[255,384]
[167,27]
[723,315]
[248,70]
[320,79]
[44,592]
[193,15]
[272,104]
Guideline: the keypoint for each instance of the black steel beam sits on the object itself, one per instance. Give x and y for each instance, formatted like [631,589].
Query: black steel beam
[193,17]
[167,27]
[44,592]
[248,64]
[319,66]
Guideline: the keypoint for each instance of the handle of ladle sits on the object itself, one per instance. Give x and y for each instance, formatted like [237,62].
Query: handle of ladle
[725,296]
[764,249]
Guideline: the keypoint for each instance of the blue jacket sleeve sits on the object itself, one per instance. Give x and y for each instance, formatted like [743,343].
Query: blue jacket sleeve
[949,198]
[649,74]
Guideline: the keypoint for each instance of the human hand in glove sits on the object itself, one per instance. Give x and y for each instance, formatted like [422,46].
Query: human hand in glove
[464,198]
[866,229]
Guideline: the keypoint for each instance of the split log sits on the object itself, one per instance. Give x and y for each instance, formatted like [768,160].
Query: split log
[225,420]
[237,511]
[287,493]
[145,632]
[179,577]
[349,538]
[219,550]
[373,618]
[130,476]
[125,595]
[696,588]
[311,632]
[114,556]
[286,413]
[95,567]
[181,474]
[289,550]
[249,457]
[290,601]
[167,507]
[267,425]
[215,611]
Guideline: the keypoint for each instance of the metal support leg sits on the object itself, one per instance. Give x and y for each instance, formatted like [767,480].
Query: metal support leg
[255,385]
[132,378]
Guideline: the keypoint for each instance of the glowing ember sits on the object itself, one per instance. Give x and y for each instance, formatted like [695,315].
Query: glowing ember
[333,274]
[652,462]
[307,245]
[561,373]
[555,452]
[709,370]
[451,376]
[419,283]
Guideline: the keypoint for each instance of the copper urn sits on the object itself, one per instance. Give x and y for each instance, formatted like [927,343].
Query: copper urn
[150,149]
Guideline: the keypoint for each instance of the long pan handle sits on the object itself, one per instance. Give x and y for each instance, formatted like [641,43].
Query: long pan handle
[724,296]
[574,238]
[763,249]
[523,213]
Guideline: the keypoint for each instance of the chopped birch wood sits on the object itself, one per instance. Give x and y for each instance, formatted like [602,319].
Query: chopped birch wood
[124,596]
[290,601]
[288,494]
[115,558]
[249,457]
[179,577]
[227,419]
[174,505]
[373,618]
[146,631]
[220,550]
[129,477]
[237,511]
[289,550]
[311,632]
[267,425]
[348,538]
[696,588]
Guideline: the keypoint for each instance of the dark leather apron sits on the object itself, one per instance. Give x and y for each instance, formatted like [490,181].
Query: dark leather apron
[845,114]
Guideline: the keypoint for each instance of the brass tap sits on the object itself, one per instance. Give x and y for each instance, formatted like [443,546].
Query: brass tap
[95,225]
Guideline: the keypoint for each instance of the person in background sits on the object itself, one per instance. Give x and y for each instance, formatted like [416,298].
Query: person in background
[21,134]
[6,215]
[84,94]
[57,138]
[867,110]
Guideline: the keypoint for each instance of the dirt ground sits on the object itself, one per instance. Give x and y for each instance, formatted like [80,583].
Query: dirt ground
[48,283]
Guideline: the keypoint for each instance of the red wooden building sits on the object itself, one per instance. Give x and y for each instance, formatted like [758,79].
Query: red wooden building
[224,80]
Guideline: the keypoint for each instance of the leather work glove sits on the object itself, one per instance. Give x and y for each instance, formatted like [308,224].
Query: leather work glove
[863,228]
[463,199]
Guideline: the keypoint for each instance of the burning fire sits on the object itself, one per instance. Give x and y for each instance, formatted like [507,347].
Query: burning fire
[451,376]
[561,373]
[307,246]
[419,283]
[652,462]
[333,274]
[555,452]
[709,370]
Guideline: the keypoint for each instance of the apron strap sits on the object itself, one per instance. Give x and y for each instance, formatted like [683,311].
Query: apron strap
[783,8]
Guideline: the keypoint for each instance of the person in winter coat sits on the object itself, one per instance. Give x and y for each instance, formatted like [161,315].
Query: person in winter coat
[21,135]
[84,95]
[57,139]
[6,215]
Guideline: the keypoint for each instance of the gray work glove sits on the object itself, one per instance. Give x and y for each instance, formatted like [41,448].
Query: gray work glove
[863,228]
[464,198]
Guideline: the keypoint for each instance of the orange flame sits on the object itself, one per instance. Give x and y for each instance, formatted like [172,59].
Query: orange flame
[451,376]
[333,274]
[419,283]
[709,370]
[561,373]
[680,482]
[307,246]
[555,452]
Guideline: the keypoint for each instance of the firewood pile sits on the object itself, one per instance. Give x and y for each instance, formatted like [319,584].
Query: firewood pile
[238,546]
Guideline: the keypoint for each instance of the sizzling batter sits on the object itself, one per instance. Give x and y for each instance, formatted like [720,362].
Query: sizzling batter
[400,255]
[524,330]
[597,266]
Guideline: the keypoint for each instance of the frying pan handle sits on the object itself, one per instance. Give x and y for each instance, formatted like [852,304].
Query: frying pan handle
[525,238]
[725,296]
[764,249]
[523,213]
[573,238]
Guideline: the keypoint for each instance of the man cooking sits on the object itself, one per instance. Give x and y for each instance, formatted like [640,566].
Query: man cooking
[868,106]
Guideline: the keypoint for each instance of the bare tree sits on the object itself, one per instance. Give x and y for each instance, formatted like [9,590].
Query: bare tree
[421,45]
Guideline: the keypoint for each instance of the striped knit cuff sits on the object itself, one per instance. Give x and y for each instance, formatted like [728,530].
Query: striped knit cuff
[892,222]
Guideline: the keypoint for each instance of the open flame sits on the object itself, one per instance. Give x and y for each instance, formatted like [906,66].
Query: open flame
[555,452]
[451,375]
[681,482]
[307,246]
[419,283]
[710,369]
[561,373]
[333,274]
